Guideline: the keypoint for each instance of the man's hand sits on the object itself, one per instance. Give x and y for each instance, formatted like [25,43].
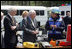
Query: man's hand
[35,32]
[13,27]
[17,24]
[54,26]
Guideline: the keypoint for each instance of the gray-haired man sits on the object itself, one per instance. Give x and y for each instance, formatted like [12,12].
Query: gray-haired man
[10,38]
[30,27]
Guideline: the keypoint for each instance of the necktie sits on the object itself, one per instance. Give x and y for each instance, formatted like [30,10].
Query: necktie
[33,23]
[13,20]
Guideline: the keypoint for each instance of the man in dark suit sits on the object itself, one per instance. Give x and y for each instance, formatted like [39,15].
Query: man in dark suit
[10,29]
[67,19]
[30,27]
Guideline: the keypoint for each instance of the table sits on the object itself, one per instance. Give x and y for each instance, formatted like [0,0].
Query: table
[48,47]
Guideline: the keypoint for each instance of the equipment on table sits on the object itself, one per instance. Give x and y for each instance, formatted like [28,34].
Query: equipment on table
[68,36]
[44,45]
[30,45]
[67,42]
[42,34]
[53,43]
[62,43]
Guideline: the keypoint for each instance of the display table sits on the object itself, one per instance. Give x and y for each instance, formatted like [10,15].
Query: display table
[61,47]
[45,47]
[50,47]
[23,47]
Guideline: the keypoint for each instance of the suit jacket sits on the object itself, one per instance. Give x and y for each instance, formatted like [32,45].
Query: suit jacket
[28,28]
[67,20]
[10,35]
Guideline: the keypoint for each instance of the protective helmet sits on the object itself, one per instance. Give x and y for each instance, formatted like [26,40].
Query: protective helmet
[57,11]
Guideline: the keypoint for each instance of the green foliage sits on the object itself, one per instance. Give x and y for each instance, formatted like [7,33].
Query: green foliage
[35,3]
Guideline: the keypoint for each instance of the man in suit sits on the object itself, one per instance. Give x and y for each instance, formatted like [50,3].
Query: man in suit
[67,19]
[10,29]
[30,27]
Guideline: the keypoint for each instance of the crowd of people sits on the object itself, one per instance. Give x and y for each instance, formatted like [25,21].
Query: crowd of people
[55,25]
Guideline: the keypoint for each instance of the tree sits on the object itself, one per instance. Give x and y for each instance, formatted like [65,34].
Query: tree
[35,3]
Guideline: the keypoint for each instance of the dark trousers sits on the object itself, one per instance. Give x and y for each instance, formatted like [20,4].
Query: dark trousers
[10,45]
[54,37]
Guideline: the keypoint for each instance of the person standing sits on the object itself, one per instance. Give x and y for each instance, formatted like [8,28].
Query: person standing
[30,27]
[67,19]
[23,22]
[10,38]
[55,25]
